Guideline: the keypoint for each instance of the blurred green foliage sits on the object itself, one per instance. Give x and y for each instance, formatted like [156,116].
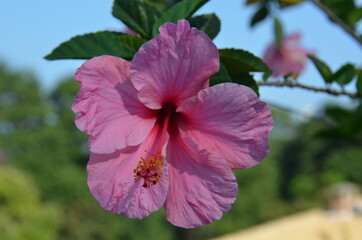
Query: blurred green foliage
[23,216]
[346,10]
[312,161]
[20,108]
[44,194]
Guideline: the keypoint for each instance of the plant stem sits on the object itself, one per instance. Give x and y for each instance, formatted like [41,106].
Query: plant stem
[334,18]
[315,89]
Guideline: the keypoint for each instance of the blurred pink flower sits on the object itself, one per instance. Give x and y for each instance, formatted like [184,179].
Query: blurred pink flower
[159,136]
[289,58]
[129,31]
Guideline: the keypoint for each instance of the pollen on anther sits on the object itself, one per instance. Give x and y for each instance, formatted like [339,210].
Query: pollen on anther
[150,170]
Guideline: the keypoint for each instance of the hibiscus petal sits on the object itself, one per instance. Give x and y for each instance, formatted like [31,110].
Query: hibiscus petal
[174,65]
[111,181]
[275,60]
[202,185]
[107,107]
[293,38]
[228,119]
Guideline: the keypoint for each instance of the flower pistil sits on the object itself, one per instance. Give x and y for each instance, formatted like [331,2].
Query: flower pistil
[150,170]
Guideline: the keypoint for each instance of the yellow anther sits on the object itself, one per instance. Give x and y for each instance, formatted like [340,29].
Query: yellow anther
[150,170]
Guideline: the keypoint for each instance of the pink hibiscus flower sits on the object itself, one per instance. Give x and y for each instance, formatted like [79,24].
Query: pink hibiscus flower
[159,136]
[289,58]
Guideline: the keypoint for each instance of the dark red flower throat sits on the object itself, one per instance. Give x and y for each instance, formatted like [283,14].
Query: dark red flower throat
[150,168]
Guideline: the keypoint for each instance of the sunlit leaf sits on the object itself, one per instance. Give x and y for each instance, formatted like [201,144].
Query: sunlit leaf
[181,10]
[131,41]
[91,45]
[138,15]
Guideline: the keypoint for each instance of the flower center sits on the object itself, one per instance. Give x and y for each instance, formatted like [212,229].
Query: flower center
[150,170]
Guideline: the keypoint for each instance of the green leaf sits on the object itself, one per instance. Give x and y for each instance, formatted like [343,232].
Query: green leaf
[359,83]
[322,68]
[344,9]
[91,45]
[243,78]
[131,41]
[266,75]
[345,123]
[220,77]
[246,79]
[238,61]
[355,16]
[208,23]
[181,10]
[344,75]
[278,32]
[259,15]
[138,15]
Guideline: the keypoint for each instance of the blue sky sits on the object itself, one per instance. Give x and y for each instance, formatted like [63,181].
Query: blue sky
[31,29]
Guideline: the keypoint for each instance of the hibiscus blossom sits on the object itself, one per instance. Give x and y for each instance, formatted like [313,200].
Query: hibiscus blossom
[288,58]
[159,136]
